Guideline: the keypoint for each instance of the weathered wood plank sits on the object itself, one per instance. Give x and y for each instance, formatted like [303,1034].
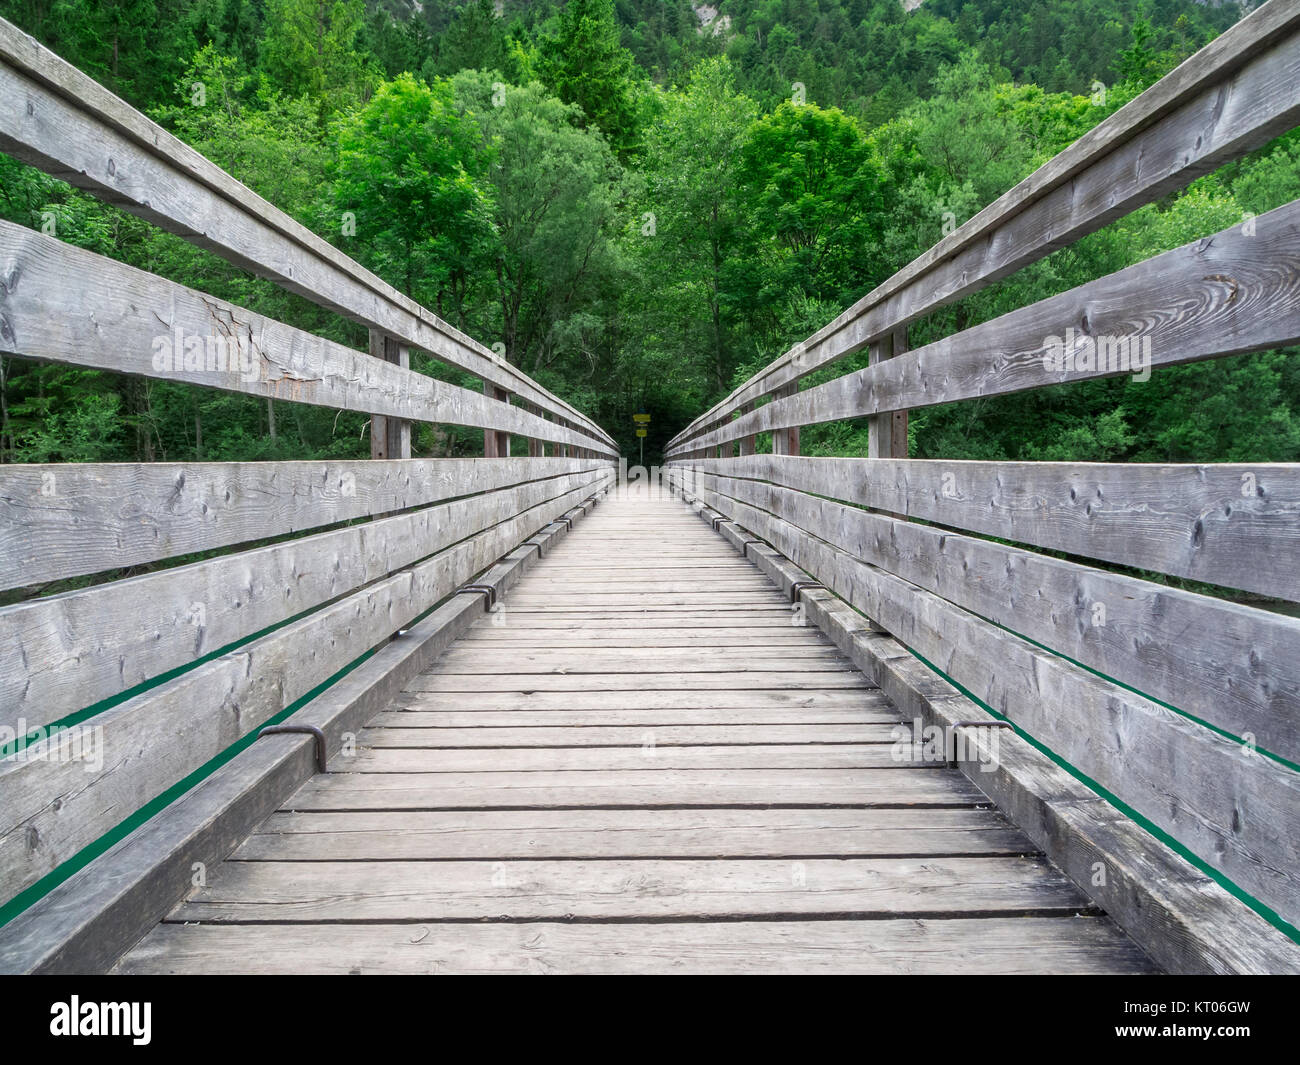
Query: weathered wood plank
[112,316]
[85,923]
[274,892]
[59,654]
[644,755]
[1229,665]
[638,681]
[469,719]
[558,640]
[1021,945]
[1223,523]
[803,698]
[69,519]
[636,787]
[1187,922]
[477,657]
[692,833]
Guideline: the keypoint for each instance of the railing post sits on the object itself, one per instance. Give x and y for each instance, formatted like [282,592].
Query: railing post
[746,442]
[390,438]
[536,449]
[785,441]
[887,433]
[496,443]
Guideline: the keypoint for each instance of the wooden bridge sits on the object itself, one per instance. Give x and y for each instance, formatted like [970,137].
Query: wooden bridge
[755,712]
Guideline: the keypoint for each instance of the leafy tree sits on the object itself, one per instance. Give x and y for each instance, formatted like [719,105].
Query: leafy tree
[696,264]
[308,50]
[476,40]
[411,167]
[556,191]
[813,184]
[584,63]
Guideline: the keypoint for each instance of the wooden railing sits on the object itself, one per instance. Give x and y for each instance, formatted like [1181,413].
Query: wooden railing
[1182,706]
[182,662]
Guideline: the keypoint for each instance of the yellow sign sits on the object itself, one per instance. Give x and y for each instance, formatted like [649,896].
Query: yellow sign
[641,418]
[641,432]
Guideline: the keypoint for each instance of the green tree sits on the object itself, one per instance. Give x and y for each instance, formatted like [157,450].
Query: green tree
[695,268]
[585,63]
[309,49]
[813,187]
[410,166]
[556,191]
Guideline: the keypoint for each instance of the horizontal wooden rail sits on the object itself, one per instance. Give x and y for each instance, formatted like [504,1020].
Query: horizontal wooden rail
[114,317]
[1232,524]
[59,654]
[55,807]
[1232,666]
[1234,808]
[1232,292]
[1236,94]
[57,119]
[61,520]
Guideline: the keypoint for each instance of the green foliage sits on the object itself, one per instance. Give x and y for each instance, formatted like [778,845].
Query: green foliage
[412,169]
[308,50]
[813,184]
[584,63]
[640,209]
[556,193]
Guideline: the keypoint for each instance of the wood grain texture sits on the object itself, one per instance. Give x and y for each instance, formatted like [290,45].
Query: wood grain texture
[54,808]
[280,892]
[695,833]
[1232,524]
[57,119]
[60,654]
[1240,817]
[1234,95]
[630,799]
[993,945]
[1186,920]
[1233,291]
[61,520]
[60,303]
[85,923]
[1231,666]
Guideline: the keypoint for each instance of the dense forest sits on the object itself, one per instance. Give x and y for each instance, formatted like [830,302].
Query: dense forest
[640,201]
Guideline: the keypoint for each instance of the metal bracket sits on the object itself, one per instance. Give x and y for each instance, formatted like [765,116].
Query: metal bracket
[798,586]
[568,523]
[718,521]
[308,730]
[744,548]
[537,544]
[486,589]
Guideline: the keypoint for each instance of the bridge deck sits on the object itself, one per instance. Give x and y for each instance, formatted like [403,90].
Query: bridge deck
[641,765]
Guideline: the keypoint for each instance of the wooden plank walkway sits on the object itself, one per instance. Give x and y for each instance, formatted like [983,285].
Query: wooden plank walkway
[641,766]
